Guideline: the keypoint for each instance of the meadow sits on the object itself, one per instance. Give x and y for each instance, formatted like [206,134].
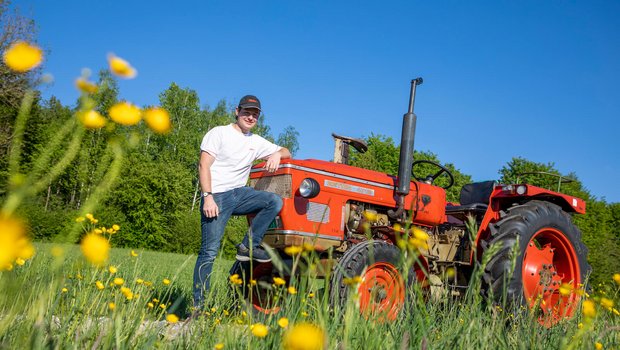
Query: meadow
[57,296]
[59,300]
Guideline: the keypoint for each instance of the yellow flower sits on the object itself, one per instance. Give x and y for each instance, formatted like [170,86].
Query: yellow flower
[279,281]
[234,279]
[113,269]
[598,346]
[133,253]
[162,306]
[588,308]
[172,318]
[607,303]
[111,306]
[139,281]
[116,227]
[283,322]
[13,242]
[310,295]
[64,290]
[565,289]
[166,281]
[292,290]
[420,234]
[293,250]
[127,293]
[119,281]
[99,285]
[22,57]
[57,251]
[95,249]
[79,219]
[150,305]
[617,277]
[86,86]
[20,261]
[304,336]
[158,120]
[121,67]
[304,314]
[252,282]
[125,113]
[92,120]
[351,281]
[308,247]
[370,215]
[155,300]
[218,346]
[259,330]
[580,325]
[98,231]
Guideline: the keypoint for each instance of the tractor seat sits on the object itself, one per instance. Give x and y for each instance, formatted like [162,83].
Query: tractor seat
[359,144]
[474,199]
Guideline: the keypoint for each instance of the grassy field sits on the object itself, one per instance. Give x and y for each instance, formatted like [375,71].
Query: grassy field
[55,301]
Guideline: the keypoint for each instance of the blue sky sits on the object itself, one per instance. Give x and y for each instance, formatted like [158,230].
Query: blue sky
[536,79]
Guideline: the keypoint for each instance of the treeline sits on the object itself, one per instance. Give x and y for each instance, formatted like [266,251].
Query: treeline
[600,226]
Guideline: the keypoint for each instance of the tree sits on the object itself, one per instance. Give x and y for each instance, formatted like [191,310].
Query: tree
[383,155]
[15,27]
[288,138]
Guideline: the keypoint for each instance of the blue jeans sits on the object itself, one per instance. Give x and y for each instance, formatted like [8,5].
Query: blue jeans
[239,201]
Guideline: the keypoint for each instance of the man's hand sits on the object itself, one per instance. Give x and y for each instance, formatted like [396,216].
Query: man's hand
[273,162]
[210,208]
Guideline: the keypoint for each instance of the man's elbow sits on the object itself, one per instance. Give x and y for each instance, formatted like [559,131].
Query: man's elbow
[285,153]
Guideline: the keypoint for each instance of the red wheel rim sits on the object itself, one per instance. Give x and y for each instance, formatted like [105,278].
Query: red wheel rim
[260,297]
[550,261]
[381,291]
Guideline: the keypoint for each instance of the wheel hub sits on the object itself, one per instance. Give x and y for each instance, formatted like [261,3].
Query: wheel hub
[549,261]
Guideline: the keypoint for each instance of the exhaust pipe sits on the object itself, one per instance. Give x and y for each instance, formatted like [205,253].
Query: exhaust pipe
[406,154]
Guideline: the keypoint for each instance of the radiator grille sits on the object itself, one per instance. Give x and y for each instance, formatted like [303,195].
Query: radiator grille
[318,212]
[279,184]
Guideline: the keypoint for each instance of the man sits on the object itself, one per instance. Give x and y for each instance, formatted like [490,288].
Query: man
[226,156]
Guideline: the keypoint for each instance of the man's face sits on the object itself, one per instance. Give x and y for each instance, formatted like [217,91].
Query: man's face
[247,117]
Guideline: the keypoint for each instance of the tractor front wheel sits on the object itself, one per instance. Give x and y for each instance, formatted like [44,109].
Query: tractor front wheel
[258,290]
[371,269]
[550,255]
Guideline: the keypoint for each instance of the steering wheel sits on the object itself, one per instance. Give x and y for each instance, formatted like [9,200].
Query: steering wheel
[429,179]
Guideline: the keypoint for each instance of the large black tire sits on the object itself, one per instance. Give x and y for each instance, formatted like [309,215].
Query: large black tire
[381,288]
[256,297]
[550,254]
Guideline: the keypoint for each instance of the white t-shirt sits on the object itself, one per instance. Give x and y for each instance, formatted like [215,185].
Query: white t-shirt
[234,153]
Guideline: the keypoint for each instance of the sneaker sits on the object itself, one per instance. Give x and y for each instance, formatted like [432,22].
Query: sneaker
[258,254]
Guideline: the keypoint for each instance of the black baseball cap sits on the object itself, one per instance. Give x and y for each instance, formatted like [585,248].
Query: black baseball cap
[249,101]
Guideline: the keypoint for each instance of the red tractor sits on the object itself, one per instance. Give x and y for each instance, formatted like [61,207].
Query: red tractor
[353,219]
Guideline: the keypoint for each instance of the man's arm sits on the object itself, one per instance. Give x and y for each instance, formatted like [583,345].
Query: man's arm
[209,208]
[273,161]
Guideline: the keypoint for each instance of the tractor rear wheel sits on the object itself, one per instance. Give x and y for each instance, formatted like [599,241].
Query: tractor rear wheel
[371,267]
[550,254]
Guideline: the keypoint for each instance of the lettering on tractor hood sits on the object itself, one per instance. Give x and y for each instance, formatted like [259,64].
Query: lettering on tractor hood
[350,188]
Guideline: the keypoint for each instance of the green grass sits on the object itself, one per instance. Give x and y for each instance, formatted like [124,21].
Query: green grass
[36,313]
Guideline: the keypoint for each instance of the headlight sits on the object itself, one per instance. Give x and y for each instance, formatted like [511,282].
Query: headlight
[309,188]
[521,189]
